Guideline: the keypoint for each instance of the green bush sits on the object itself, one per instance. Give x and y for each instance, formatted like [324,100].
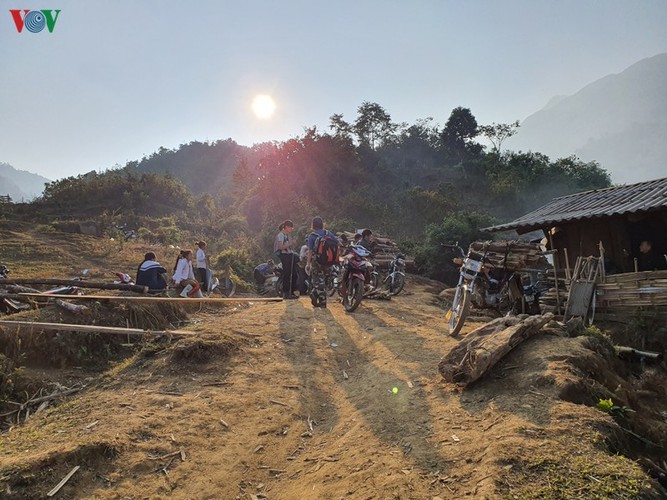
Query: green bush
[238,259]
[435,260]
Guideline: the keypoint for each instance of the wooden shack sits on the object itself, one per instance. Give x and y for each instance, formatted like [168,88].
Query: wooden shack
[609,223]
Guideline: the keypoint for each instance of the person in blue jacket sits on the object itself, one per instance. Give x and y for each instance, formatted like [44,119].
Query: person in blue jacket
[151,274]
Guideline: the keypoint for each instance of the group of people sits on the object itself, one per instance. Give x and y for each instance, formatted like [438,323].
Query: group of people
[188,278]
[297,264]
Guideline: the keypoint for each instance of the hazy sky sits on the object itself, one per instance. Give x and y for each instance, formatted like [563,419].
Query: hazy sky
[117,79]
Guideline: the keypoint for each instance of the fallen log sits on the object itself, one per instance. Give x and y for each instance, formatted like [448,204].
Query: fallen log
[21,289]
[73,308]
[77,283]
[485,346]
[630,352]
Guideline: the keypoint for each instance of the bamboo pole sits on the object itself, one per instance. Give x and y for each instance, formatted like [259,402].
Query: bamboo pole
[568,275]
[64,327]
[77,283]
[183,300]
[555,266]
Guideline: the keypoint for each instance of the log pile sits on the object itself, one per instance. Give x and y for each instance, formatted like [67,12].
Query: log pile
[512,255]
[633,290]
[384,251]
[488,344]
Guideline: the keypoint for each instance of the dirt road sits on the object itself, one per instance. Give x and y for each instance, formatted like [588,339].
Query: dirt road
[286,401]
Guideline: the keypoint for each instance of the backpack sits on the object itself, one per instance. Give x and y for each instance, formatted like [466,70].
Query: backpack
[325,249]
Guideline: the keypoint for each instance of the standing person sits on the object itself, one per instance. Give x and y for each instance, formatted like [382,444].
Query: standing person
[150,273]
[283,247]
[184,275]
[322,253]
[202,265]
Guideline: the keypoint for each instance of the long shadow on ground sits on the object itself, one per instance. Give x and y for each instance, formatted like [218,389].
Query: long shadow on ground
[392,336]
[314,399]
[399,419]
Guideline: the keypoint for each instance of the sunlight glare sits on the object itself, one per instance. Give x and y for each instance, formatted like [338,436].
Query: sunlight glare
[263,106]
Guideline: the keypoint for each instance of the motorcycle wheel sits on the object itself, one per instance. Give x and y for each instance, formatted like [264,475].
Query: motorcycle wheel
[459,311]
[373,282]
[331,286]
[355,292]
[397,285]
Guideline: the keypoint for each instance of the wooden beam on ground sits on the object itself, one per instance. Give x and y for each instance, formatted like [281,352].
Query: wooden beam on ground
[64,327]
[77,283]
[119,298]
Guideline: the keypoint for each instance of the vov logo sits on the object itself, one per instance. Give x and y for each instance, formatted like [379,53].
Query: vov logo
[35,20]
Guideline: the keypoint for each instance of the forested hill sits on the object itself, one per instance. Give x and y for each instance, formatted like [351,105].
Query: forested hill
[377,172]
[417,182]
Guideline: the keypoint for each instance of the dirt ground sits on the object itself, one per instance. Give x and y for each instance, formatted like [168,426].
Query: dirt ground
[284,401]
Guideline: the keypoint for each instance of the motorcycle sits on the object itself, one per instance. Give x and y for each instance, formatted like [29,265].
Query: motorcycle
[395,280]
[128,234]
[357,267]
[487,287]
[334,280]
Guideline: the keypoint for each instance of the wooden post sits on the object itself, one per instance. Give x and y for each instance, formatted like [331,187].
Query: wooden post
[555,257]
[568,276]
[603,274]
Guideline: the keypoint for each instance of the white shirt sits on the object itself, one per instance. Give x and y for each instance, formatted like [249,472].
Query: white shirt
[201,259]
[183,271]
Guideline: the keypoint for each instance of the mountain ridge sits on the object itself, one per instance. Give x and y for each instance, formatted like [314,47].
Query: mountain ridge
[616,120]
[21,185]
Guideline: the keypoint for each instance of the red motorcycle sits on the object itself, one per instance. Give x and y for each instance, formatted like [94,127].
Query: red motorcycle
[357,270]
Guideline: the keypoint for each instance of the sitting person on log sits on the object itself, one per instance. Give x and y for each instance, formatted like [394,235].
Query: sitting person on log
[150,273]
[184,276]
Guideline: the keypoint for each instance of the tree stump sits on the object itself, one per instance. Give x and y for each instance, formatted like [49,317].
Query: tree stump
[488,344]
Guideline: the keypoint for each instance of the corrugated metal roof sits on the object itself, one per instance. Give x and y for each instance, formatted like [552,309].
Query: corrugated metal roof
[618,200]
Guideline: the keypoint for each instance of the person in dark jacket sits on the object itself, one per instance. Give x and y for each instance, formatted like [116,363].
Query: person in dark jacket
[150,273]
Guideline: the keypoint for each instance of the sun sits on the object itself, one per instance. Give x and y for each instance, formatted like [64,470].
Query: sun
[263,106]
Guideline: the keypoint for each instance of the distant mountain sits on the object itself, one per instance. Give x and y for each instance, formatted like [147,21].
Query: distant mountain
[619,120]
[19,184]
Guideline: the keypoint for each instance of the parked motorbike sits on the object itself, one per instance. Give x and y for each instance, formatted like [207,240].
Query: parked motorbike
[358,268]
[334,280]
[395,280]
[487,287]
[128,234]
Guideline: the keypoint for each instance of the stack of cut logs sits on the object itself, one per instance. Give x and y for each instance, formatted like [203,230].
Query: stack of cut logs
[384,251]
[512,255]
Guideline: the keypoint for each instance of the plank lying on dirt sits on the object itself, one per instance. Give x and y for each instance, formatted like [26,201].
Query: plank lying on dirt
[77,283]
[154,299]
[92,328]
